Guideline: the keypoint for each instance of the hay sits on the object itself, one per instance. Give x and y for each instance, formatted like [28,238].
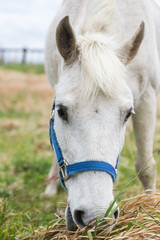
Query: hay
[140,219]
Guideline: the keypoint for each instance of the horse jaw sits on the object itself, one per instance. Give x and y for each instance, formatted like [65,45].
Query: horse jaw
[71,226]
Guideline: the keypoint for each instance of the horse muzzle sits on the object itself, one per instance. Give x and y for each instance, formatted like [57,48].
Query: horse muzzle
[80,218]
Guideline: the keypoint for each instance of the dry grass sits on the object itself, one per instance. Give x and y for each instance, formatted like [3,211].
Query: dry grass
[140,219]
[29,92]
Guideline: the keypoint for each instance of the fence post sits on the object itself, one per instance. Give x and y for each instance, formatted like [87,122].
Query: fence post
[20,55]
[24,51]
[2,55]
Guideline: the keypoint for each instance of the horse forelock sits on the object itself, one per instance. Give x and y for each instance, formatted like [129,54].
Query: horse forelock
[101,68]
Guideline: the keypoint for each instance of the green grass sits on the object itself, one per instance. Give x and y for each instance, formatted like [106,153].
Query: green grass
[23,168]
[26,158]
[26,68]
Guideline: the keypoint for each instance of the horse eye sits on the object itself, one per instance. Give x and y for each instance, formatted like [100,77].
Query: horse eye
[62,113]
[131,110]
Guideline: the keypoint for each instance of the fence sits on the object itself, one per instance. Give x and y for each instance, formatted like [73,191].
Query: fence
[21,55]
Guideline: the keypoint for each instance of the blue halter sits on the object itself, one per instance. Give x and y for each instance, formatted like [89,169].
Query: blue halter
[66,170]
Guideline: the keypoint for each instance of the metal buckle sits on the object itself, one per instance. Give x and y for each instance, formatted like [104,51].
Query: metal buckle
[63,170]
[52,114]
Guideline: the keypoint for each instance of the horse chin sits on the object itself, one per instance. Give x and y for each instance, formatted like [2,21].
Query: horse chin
[71,226]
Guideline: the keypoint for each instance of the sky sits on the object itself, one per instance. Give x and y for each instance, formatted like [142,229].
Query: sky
[24,23]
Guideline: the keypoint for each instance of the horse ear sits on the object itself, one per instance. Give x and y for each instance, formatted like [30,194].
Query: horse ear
[129,50]
[66,40]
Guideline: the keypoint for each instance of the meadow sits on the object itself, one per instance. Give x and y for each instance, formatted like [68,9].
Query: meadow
[26,157]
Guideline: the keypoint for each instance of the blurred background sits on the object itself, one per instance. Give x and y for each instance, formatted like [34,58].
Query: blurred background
[23,27]
[25,105]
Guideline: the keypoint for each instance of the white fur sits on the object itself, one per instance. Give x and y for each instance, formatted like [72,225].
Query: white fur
[98,91]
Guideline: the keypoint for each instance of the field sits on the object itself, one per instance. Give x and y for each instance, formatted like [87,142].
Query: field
[26,156]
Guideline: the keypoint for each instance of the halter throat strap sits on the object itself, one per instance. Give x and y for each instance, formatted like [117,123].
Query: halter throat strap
[67,170]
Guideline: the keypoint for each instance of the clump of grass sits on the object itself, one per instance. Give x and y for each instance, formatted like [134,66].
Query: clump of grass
[140,219]
[14,224]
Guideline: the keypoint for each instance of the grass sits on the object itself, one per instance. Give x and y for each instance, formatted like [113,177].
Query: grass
[23,169]
[140,219]
[26,158]
[26,68]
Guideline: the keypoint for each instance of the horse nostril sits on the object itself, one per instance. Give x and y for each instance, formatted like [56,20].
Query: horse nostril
[78,217]
[116,214]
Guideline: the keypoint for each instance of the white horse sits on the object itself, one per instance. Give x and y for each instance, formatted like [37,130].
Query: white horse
[104,63]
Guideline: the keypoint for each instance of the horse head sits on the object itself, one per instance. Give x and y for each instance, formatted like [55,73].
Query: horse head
[92,106]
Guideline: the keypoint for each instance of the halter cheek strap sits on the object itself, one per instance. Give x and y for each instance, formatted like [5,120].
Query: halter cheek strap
[67,170]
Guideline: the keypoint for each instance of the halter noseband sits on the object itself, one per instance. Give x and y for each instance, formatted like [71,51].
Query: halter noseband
[66,170]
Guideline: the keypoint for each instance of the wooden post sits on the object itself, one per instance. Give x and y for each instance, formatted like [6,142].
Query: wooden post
[24,51]
[2,55]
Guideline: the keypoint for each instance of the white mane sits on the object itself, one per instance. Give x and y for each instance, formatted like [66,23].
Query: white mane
[101,68]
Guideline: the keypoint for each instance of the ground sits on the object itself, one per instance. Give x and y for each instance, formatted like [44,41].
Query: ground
[26,156]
